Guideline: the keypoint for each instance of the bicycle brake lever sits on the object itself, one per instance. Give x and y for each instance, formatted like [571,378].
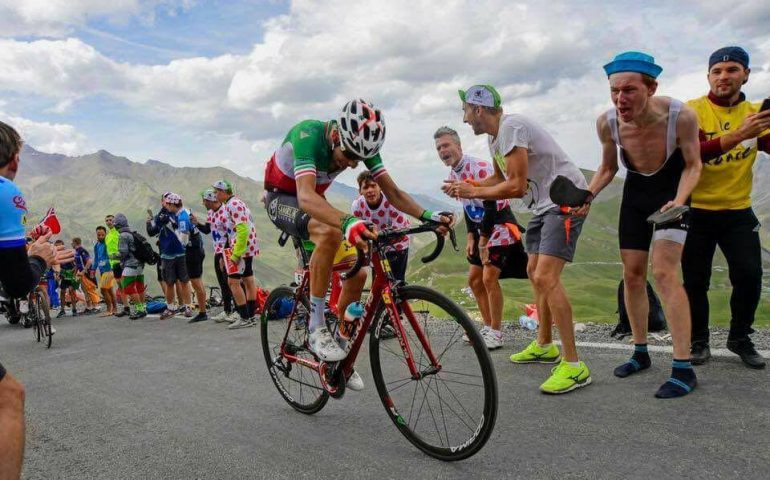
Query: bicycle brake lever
[453,239]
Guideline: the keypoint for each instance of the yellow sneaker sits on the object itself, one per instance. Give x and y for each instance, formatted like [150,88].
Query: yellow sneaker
[534,353]
[565,378]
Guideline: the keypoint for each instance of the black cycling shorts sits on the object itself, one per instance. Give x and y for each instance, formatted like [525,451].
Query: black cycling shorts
[511,260]
[283,210]
[248,270]
[194,257]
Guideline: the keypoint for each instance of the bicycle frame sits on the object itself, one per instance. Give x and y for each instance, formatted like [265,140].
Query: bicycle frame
[384,289]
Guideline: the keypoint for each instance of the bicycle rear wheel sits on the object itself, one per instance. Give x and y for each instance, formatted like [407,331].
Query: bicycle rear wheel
[299,385]
[449,412]
[43,319]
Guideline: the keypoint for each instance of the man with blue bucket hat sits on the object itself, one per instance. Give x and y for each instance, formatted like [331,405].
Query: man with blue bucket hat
[656,138]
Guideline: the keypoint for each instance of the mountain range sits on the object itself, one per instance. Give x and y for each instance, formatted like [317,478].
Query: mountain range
[86,188]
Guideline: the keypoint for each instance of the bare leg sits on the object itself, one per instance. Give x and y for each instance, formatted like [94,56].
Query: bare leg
[491,278]
[109,300]
[551,292]
[169,292]
[11,427]
[635,292]
[183,290]
[327,241]
[476,282]
[200,293]
[250,285]
[666,259]
[544,330]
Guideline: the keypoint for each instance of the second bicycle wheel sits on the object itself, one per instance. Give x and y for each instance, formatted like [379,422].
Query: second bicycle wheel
[448,412]
[43,318]
[299,385]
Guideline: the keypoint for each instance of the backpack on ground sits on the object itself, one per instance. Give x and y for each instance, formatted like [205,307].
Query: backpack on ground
[656,321]
[155,306]
[143,250]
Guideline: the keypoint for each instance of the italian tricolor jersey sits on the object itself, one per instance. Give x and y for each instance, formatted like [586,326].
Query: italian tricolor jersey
[385,217]
[306,151]
[726,181]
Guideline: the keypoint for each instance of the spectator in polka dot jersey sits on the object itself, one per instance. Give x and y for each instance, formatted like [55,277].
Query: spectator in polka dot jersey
[372,206]
[490,244]
[241,246]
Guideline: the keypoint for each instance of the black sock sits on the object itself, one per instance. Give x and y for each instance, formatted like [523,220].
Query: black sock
[252,307]
[682,380]
[243,311]
[639,361]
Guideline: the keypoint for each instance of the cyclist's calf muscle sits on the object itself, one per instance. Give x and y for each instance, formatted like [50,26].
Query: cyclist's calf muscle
[11,426]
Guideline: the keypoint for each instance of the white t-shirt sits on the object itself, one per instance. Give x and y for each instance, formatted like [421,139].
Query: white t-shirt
[546,159]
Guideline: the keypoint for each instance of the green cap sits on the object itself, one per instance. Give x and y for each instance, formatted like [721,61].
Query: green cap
[483,95]
[209,194]
[223,185]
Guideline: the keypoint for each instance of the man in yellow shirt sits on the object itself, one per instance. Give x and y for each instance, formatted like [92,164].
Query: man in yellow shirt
[731,133]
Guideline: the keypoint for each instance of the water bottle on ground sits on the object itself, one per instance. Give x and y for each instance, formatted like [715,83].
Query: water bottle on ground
[348,325]
[528,323]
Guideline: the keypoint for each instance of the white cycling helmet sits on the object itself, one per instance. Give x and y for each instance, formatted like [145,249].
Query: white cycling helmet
[362,128]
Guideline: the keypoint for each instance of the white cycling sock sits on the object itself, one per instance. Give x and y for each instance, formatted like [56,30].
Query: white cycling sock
[317,320]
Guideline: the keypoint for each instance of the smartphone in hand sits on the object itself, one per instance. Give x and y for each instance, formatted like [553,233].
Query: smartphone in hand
[765,105]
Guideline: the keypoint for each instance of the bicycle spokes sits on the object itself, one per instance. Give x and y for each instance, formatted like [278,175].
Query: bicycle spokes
[447,406]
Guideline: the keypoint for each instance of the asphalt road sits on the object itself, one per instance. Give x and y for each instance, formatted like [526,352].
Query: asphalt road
[115,399]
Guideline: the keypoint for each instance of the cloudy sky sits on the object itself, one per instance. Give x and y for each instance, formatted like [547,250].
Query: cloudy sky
[204,83]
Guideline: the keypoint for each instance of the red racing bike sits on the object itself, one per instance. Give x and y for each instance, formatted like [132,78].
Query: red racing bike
[440,392]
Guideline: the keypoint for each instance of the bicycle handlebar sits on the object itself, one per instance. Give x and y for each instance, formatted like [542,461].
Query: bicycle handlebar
[429,226]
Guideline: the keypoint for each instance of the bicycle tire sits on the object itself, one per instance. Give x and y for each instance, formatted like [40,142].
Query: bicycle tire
[43,317]
[468,373]
[300,386]
[38,331]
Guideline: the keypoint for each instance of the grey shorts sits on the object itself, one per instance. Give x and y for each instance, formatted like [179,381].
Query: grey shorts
[553,233]
[174,270]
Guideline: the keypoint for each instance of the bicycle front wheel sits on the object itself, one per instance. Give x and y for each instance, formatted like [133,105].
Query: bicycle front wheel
[298,384]
[448,410]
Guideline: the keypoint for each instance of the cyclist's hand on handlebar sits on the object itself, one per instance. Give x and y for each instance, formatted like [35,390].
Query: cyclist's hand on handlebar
[446,219]
[357,232]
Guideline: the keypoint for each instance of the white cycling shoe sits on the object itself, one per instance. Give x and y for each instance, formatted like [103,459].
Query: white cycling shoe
[355,382]
[322,344]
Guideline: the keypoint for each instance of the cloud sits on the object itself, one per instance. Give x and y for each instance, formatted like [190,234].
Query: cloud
[59,18]
[49,137]
[408,57]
